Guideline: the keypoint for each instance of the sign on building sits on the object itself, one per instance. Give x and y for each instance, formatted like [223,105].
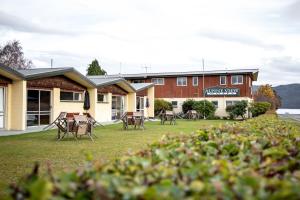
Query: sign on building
[218,91]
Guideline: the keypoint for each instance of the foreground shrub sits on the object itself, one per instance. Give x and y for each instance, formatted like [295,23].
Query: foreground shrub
[160,104]
[254,159]
[237,110]
[259,108]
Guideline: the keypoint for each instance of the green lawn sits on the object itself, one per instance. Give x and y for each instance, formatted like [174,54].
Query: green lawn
[18,153]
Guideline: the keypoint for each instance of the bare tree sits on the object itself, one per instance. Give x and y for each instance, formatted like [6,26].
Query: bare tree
[12,55]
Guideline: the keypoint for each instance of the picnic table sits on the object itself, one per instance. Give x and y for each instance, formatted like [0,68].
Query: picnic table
[192,114]
[167,115]
[74,124]
[135,119]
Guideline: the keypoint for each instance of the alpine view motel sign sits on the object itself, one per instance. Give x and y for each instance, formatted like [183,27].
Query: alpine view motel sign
[218,91]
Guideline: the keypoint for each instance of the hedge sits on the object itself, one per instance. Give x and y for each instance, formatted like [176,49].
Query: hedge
[160,104]
[203,107]
[254,159]
[259,108]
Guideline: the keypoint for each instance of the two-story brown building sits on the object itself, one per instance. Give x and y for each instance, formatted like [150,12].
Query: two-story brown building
[221,87]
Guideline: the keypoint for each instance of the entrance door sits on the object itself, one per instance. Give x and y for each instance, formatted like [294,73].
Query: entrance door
[38,107]
[2,107]
[140,104]
[117,107]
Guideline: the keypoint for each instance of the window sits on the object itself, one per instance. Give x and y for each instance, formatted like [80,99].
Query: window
[181,81]
[223,80]
[102,98]
[138,81]
[231,103]
[158,81]
[71,96]
[140,104]
[216,103]
[77,96]
[174,104]
[195,81]
[237,79]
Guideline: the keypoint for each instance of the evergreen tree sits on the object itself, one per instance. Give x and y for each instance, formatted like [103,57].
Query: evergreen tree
[95,69]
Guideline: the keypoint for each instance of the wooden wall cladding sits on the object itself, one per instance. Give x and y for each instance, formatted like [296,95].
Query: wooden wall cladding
[61,82]
[4,81]
[171,90]
[142,93]
[114,89]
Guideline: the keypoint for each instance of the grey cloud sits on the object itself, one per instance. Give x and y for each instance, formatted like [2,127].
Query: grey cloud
[242,39]
[285,64]
[292,11]
[19,24]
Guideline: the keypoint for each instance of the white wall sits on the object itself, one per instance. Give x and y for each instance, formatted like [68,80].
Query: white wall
[220,111]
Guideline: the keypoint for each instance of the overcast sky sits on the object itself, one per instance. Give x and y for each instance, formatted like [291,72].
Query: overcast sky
[166,35]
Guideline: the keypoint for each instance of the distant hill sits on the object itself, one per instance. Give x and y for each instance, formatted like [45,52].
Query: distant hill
[290,95]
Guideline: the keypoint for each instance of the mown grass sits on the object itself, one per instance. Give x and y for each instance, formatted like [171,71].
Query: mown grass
[19,153]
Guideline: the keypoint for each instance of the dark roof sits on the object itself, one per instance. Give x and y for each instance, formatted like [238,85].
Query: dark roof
[141,86]
[106,80]
[11,71]
[102,80]
[254,72]
[35,73]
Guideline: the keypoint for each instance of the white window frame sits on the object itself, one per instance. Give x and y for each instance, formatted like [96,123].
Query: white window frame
[250,83]
[73,100]
[216,106]
[232,102]
[174,106]
[195,78]
[238,83]
[182,78]
[154,80]
[105,99]
[225,80]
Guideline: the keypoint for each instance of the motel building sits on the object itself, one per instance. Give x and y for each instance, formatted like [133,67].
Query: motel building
[221,87]
[35,97]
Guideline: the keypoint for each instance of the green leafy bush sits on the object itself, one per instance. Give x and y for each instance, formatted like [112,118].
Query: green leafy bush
[259,108]
[160,104]
[188,105]
[254,159]
[237,110]
[202,107]
[205,108]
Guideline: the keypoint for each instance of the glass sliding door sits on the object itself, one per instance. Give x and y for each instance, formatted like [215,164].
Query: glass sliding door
[38,107]
[117,107]
[2,107]
[140,104]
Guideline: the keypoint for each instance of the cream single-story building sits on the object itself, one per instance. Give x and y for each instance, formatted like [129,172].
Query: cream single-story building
[35,97]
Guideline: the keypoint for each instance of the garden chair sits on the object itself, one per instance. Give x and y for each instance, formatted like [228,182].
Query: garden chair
[60,117]
[82,126]
[92,120]
[133,118]
[192,115]
[167,115]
